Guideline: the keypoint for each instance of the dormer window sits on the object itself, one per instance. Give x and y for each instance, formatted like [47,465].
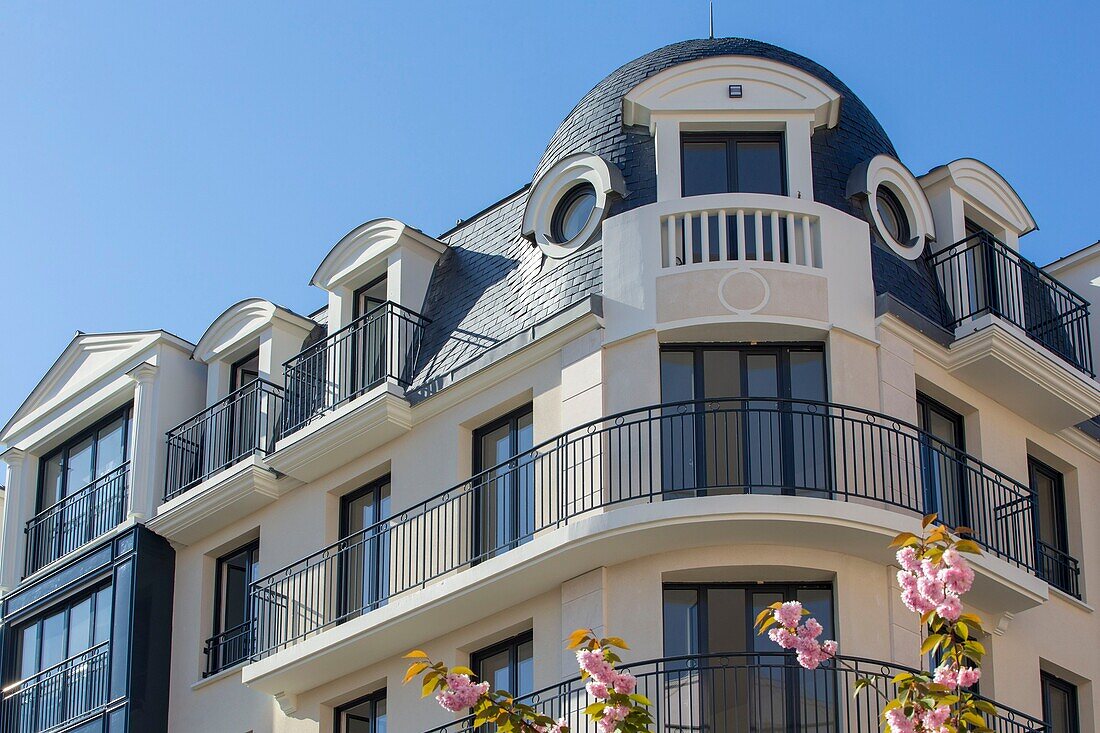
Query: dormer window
[733,162]
[82,461]
[245,371]
[370,296]
[892,215]
[573,212]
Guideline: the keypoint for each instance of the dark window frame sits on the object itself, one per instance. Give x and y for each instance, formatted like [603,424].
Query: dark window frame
[572,196]
[93,591]
[253,549]
[1048,681]
[511,645]
[1058,480]
[511,419]
[339,715]
[124,412]
[236,367]
[730,139]
[781,349]
[787,589]
[927,405]
[885,194]
[377,594]
[357,297]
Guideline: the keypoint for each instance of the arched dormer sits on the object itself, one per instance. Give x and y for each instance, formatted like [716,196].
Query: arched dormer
[969,190]
[385,256]
[732,94]
[253,335]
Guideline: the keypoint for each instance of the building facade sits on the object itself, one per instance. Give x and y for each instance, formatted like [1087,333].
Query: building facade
[716,354]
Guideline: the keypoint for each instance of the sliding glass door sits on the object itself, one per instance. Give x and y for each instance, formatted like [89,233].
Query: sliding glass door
[747,420]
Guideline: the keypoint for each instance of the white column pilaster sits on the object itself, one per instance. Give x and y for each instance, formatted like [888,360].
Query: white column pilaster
[145,486]
[19,505]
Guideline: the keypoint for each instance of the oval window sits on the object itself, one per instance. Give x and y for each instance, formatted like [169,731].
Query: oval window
[573,212]
[892,215]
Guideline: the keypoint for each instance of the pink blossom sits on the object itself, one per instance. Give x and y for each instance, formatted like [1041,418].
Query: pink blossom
[461,693]
[931,588]
[958,578]
[950,608]
[899,722]
[953,557]
[783,638]
[597,689]
[945,675]
[558,726]
[811,630]
[612,716]
[968,676]
[594,663]
[625,683]
[916,602]
[789,614]
[829,647]
[907,558]
[907,581]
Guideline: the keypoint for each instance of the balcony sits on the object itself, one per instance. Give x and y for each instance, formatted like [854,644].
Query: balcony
[762,265]
[743,691]
[228,649]
[215,473]
[77,519]
[1060,569]
[352,385]
[61,695]
[981,276]
[690,465]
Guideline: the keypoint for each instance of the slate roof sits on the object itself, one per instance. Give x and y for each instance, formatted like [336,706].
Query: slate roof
[493,284]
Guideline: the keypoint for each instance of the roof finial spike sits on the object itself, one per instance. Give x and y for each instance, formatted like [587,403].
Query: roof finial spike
[712,20]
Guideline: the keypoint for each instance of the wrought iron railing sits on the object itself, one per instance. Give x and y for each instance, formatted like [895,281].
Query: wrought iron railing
[77,519]
[60,695]
[744,692]
[382,344]
[235,427]
[228,649]
[1060,569]
[665,452]
[981,275]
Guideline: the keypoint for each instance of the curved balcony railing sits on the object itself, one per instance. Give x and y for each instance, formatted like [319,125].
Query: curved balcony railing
[742,692]
[77,519]
[981,275]
[235,427]
[665,452]
[379,345]
[60,695]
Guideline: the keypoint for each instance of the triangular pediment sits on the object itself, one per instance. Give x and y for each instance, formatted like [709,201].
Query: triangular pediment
[87,360]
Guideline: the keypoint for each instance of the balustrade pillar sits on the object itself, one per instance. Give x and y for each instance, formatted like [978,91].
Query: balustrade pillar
[19,507]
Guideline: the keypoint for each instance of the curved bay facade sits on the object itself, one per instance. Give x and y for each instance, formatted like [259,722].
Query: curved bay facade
[716,354]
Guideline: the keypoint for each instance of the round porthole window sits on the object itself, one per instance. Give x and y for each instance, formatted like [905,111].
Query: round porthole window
[573,212]
[892,215]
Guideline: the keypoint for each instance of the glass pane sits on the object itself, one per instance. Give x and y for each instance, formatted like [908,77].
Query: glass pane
[578,209]
[364,717]
[525,668]
[762,428]
[370,298]
[80,627]
[723,694]
[768,681]
[53,640]
[722,420]
[111,448]
[236,575]
[380,716]
[1048,510]
[760,167]
[1059,708]
[102,630]
[79,467]
[496,492]
[727,627]
[245,371]
[678,423]
[496,670]
[681,621]
[51,489]
[818,690]
[705,168]
[28,651]
[810,445]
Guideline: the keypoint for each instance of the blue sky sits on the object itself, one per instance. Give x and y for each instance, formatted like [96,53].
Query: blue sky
[160,161]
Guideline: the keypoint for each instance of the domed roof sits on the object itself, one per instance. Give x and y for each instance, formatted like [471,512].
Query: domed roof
[595,124]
